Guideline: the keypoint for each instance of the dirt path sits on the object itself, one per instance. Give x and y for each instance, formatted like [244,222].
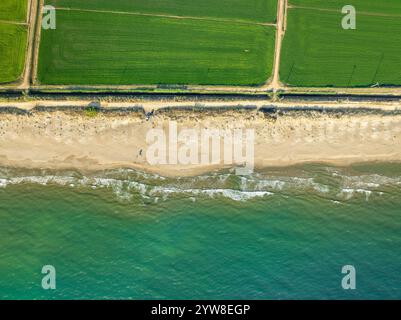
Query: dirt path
[35,58]
[26,79]
[168,16]
[275,84]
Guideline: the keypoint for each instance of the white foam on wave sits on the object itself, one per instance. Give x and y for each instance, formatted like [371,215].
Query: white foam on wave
[273,184]
[369,181]
[123,188]
[280,183]
[348,193]
[226,185]
[232,194]
[298,182]
[42,180]
[3,183]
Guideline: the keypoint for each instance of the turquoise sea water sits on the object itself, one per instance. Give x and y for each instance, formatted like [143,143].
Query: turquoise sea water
[279,234]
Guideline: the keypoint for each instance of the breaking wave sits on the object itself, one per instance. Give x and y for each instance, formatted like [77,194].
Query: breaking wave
[335,184]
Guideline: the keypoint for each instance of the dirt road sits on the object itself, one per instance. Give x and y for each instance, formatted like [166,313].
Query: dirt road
[275,84]
[32,14]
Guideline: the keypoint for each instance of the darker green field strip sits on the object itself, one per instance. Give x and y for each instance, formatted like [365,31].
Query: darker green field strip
[98,48]
[231,21]
[13,10]
[248,10]
[317,51]
[392,7]
[13,39]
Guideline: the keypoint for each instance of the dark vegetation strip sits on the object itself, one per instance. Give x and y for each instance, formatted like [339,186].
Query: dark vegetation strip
[269,111]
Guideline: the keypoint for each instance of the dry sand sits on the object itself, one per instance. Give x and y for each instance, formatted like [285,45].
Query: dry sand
[66,140]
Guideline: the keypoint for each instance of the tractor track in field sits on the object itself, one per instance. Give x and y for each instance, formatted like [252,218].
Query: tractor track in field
[169,16]
[14,22]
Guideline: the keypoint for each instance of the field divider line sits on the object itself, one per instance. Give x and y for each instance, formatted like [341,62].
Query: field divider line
[364,13]
[169,16]
[28,10]
[18,23]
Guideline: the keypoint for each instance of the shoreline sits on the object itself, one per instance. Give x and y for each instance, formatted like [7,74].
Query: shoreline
[286,134]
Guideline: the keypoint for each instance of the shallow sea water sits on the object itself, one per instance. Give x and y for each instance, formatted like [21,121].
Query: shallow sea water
[278,234]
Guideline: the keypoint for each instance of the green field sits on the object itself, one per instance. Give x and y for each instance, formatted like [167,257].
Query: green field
[12,51]
[105,48]
[318,52]
[13,10]
[372,6]
[13,40]
[248,10]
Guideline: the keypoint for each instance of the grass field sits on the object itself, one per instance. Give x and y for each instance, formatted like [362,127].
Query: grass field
[107,48]
[318,52]
[13,39]
[371,6]
[13,10]
[248,10]
[12,51]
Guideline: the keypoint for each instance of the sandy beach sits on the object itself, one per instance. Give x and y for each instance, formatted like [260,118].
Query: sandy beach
[55,139]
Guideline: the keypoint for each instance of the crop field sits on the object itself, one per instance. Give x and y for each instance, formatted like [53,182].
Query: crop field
[368,6]
[13,39]
[125,42]
[318,52]
[13,10]
[247,10]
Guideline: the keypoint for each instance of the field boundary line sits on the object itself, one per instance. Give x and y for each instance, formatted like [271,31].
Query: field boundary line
[28,10]
[18,23]
[364,13]
[169,16]
[22,23]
